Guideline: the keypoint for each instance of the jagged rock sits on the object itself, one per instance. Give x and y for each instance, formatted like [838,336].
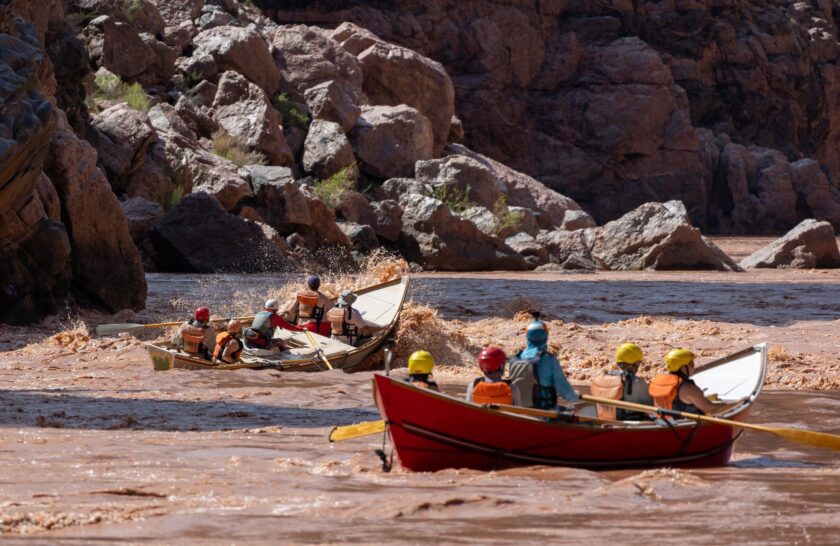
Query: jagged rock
[329,102]
[461,176]
[48,197]
[656,236]
[388,225]
[118,47]
[394,75]
[185,156]
[397,188]
[456,131]
[389,140]
[205,92]
[353,38]
[436,238]
[811,244]
[199,236]
[198,67]
[176,12]
[529,248]
[306,57]
[354,207]
[243,110]
[483,219]
[213,18]
[142,216]
[327,151]
[570,250]
[524,191]
[163,66]
[242,50]
[179,36]
[107,270]
[196,116]
[362,237]
[123,138]
[141,14]
[819,194]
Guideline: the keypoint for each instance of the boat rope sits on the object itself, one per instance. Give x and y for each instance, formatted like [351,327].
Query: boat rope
[387,460]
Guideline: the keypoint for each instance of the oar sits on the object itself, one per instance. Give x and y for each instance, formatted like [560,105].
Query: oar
[809,437]
[130,328]
[314,344]
[348,432]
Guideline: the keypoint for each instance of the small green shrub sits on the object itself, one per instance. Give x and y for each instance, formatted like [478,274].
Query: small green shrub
[135,97]
[111,87]
[170,197]
[331,190]
[181,183]
[291,115]
[233,150]
[454,198]
[508,219]
[131,8]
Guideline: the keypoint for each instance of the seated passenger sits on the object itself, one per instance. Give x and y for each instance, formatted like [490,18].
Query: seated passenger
[261,332]
[347,324]
[420,365]
[228,344]
[491,389]
[622,384]
[310,307]
[196,336]
[675,390]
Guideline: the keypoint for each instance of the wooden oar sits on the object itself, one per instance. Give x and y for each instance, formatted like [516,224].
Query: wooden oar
[314,344]
[808,437]
[348,432]
[131,328]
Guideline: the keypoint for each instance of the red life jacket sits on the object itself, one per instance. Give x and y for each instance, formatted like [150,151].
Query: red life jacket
[664,389]
[222,341]
[485,392]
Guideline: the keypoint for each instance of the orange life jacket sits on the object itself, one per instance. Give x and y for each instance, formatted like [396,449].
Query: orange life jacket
[607,386]
[222,341]
[485,392]
[339,325]
[308,305]
[664,390]
[193,337]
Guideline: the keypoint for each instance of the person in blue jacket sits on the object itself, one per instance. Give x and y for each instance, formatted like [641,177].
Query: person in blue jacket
[546,379]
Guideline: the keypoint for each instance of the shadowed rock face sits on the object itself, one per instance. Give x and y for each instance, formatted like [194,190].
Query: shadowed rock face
[602,101]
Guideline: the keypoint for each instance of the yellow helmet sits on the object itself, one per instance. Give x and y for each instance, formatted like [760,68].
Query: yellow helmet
[677,358]
[421,362]
[628,353]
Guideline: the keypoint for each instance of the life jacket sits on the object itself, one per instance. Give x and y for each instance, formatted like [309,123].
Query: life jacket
[308,307]
[193,336]
[262,324]
[665,390]
[486,392]
[523,378]
[337,316]
[222,341]
[422,380]
[607,386]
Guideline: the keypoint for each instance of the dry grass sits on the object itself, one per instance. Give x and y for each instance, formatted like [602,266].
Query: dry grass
[232,149]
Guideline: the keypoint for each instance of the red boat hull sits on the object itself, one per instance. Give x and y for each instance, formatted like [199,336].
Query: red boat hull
[431,431]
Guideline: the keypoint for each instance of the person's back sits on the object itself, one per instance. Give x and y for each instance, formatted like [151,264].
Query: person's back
[676,390]
[420,365]
[622,384]
[309,308]
[228,344]
[491,389]
[536,376]
[195,337]
[346,323]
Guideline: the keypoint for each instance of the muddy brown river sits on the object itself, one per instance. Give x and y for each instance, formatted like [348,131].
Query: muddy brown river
[96,447]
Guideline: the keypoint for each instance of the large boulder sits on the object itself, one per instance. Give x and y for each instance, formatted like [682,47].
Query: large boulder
[388,224]
[244,111]
[461,175]
[107,270]
[307,57]
[556,211]
[534,253]
[436,238]
[396,75]
[242,50]
[199,236]
[118,47]
[328,101]
[389,140]
[570,250]
[176,12]
[123,136]
[656,236]
[362,237]
[142,14]
[142,216]
[810,244]
[327,151]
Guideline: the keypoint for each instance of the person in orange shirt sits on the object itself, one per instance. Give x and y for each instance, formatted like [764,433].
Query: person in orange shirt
[491,389]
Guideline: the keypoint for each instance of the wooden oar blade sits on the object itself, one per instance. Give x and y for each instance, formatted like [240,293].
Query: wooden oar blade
[808,437]
[114,329]
[358,430]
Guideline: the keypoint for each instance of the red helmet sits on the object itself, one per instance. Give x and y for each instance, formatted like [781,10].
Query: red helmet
[491,359]
[202,314]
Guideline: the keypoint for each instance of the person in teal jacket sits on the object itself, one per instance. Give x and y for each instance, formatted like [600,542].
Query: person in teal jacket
[549,374]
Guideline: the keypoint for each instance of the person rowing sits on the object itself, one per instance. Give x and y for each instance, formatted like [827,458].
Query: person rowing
[261,332]
[536,375]
[310,307]
[622,383]
[675,390]
[420,365]
[347,324]
[492,389]
[195,336]
[228,344]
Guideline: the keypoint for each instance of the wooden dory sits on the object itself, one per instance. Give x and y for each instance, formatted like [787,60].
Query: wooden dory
[433,431]
[380,303]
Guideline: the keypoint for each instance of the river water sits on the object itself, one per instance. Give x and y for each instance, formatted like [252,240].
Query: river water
[94,446]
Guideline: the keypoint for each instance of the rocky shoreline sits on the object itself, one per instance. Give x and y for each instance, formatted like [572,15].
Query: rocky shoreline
[209,136]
